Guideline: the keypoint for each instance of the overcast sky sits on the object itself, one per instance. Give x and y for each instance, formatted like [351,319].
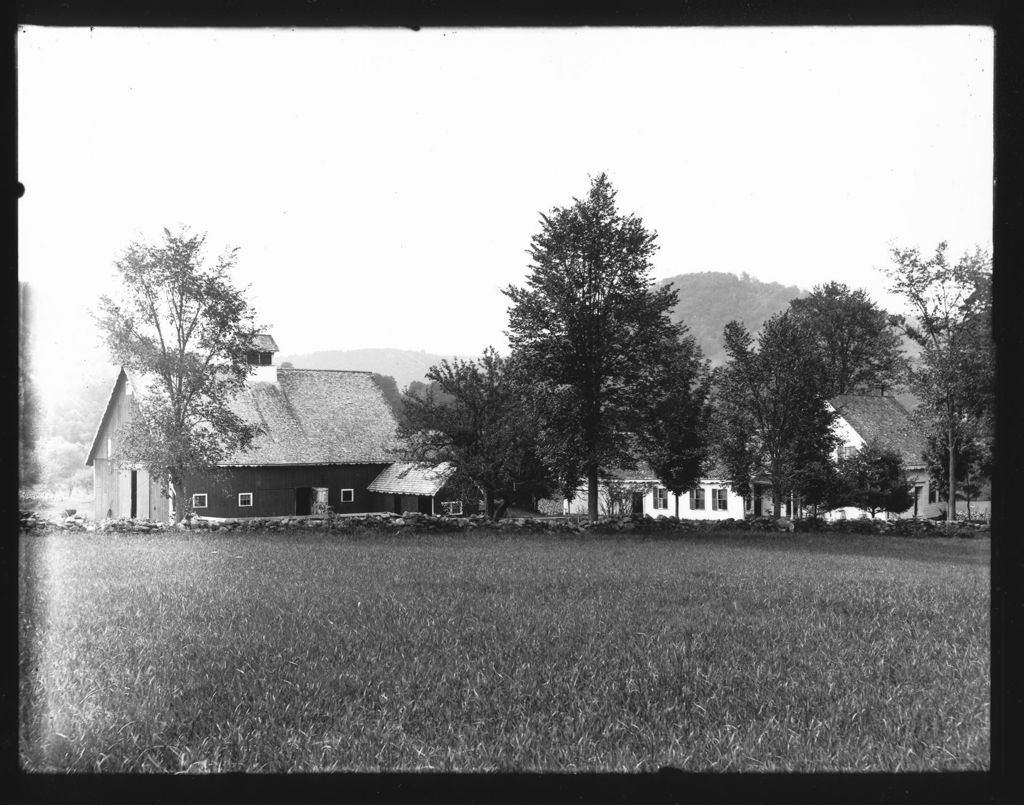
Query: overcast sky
[383,185]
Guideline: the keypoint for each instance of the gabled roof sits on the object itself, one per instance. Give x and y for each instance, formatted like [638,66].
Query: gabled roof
[122,377]
[885,420]
[317,416]
[643,473]
[310,416]
[265,343]
[408,478]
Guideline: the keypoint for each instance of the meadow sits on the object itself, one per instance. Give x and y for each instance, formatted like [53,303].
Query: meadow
[473,652]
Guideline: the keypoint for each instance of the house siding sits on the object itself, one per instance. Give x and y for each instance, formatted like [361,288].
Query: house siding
[274,489]
[735,506]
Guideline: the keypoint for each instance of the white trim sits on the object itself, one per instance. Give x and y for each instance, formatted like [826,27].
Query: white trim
[351,496]
[244,505]
[200,495]
[448,507]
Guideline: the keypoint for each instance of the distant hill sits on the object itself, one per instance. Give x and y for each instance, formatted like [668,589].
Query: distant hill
[404,365]
[711,299]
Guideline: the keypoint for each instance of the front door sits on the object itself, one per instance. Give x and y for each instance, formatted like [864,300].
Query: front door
[304,500]
[637,503]
[758,500]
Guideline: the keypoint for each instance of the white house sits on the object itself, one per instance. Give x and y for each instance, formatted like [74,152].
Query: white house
[868,417]
[640,492]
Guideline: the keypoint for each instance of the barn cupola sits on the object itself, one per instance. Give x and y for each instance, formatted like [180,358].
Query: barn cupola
[261,359]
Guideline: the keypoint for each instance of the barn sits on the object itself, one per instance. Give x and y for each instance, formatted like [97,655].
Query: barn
[328,435]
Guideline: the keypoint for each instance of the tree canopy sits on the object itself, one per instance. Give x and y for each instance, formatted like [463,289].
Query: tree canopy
[857,344]
[954,376]
[181,325]
[771,419]
[472,414]
[592,330]
[875,480]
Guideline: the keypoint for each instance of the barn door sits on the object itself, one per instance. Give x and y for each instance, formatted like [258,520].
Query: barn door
[319,500]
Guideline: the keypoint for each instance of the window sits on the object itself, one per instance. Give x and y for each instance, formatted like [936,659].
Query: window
[199,501]
[847,451]
[452,507]
[244,499]
[348,495]
[933,494]
[720,499]
[697,498]
[660,497]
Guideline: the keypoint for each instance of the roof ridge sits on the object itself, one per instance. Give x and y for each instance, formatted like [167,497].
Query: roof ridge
[345,371]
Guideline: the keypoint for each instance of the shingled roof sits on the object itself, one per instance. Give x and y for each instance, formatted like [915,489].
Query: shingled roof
[317,416]
[264,343]
[407,478]
[885,420]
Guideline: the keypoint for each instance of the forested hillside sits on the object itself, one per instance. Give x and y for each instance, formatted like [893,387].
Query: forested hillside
[708,300]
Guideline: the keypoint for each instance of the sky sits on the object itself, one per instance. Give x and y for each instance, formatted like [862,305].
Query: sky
[383,185]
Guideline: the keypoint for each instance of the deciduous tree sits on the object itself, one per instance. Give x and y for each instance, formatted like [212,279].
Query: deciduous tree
[875,480]
[587,324]
[472,414]
[181,325]
[951,305]
[857,344]
[770,413]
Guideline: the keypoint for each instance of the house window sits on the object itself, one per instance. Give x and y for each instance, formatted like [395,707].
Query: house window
[719,499]
[244,499]
[199,500]
[348,495]
[933,494]
[660,497]
[452,507]
[697,498]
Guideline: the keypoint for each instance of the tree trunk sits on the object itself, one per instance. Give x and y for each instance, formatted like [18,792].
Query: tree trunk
[489,502]
[677,505]
[776,504]
[592,492]
[951,508]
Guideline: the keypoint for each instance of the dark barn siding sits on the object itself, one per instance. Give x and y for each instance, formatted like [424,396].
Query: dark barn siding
[273,488]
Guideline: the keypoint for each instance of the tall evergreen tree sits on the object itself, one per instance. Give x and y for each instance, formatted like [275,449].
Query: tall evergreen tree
[587,325]
[770,413]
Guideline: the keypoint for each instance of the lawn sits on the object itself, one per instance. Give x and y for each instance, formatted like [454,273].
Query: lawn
[311,652]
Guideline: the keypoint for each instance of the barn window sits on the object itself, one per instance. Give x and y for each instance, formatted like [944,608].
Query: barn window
[719,499]
[452,507]
[244,499]
[348,495]
[660,497]
[199,500]
[697,498]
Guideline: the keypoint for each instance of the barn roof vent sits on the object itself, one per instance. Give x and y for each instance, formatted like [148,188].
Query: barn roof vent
[261,358]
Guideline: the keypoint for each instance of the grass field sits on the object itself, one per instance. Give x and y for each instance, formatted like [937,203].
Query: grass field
[309,652]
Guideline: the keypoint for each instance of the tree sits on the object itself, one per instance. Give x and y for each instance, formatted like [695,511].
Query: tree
[973,463]
[180,324]
[675,443]
[62,463]
[587,324]
[818,484]
[771,417]
[954,378]
[472,415]
[857,344]
[875,480]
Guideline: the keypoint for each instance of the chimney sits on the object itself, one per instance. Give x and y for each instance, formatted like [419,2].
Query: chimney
[261,359]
